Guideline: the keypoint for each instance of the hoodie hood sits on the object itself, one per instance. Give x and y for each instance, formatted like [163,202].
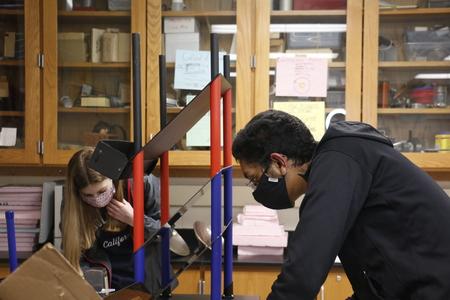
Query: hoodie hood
[354,129]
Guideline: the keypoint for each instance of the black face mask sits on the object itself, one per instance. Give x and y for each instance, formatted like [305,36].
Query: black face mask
[272,193]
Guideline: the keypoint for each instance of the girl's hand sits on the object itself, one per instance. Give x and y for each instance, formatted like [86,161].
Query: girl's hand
[121,210]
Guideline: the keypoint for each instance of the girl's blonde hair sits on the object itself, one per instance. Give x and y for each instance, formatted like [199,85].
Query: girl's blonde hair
[80,221]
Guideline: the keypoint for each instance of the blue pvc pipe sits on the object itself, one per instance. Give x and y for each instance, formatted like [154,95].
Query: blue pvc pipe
[216,255]
[139,264]
[228,215]
[9,215]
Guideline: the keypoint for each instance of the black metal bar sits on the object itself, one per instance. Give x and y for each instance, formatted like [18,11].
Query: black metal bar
[137,121]
[162,91]
[214,55]
[226,67]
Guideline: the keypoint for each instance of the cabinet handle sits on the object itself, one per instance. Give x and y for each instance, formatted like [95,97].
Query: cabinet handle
[201,287]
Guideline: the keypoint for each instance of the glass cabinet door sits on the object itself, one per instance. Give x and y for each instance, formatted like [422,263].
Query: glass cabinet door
[311,60]
[87,88]
[186,28]
[409,99]
[19,82]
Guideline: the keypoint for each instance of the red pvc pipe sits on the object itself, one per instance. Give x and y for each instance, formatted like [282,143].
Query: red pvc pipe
[138,200]
[227,128]
[214,102]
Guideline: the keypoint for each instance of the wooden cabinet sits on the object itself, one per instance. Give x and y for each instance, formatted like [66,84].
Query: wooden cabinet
[406,80]
[258,280]
[247,31]
[333,34]
[235,39]
[87,75]
[72,84]
[20,79]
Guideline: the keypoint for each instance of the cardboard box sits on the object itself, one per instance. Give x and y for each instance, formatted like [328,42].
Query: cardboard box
[71,47]
[116,47]
[110,43]
[185,41]
[95,101]
[96,44]
[180,24]
[46,275]
[9,46]
[124,47]
[4,87]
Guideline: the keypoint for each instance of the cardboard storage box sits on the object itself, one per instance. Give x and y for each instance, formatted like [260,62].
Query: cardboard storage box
[185,41]
[116,47]
[46,275]
[4,87]
[9,44]
[180,24]
[71,47]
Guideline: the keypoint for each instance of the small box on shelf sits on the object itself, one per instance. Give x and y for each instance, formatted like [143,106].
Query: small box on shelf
[180,24]
[71,47]
[95,101]
[185,41]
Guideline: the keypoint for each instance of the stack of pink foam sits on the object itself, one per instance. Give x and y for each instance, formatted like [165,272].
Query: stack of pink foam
[258,232]
[25,201]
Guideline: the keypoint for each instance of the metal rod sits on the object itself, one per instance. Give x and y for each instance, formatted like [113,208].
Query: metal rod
[214,55]
[138,166]
[164,176]
[226,67]
[9,215]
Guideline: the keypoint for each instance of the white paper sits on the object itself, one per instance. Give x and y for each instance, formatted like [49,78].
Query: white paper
[301,77]
[192,69]
[199,134]
[311,113]
[8,136]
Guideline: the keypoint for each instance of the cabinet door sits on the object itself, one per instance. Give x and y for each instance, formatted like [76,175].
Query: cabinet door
[250,281]
[294,38]
[182,34]
[87,73]
[407,81]
[19,82]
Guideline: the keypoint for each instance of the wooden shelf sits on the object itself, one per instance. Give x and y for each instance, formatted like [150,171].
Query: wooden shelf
[414,11]
[12,114]
[12,62]
[300,16]
[287,13]
[414,111]
[199,13]
[414,64]
[95,65]
[11,12]
[171,65]
[333,65]
[430,162]
[176,110]
[97,14]
[94,110]
[402,16]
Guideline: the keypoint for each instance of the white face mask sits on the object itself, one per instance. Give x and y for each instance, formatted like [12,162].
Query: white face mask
[100,200]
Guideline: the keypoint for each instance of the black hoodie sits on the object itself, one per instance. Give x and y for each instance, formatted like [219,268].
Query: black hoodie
[385,218]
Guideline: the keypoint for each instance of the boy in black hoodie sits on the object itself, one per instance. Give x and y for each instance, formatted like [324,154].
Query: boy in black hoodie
[385,218]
